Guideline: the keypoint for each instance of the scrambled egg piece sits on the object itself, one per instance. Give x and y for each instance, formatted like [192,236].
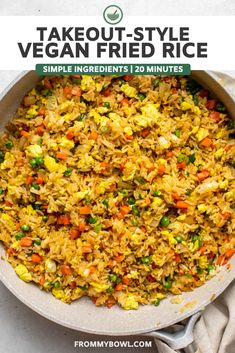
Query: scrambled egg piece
[66,143]
[219,153]
[87,83]
[203,262]
[32,112]
[129,90]
[51,164]
[34,150]
[50,266]
[99,119]
[223,184]
[185,106]
[202,133]
[23,273]
[128,130]
[202,208]
[150,116]
[8,162]
[130,303]
[170,237]
[86,162]
[163,142]
[58,293]
[5,217]
[99,288]
[129,171]
[157,201]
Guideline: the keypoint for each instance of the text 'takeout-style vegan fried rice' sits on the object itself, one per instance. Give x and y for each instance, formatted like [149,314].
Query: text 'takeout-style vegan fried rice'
[118,188]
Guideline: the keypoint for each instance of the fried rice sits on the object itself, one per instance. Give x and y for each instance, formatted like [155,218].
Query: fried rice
[118,188]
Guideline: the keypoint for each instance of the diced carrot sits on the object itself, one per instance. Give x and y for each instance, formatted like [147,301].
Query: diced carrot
[92,269]
[129,137]
[113,187]
[228,147]
[109,305]
[111,263]
[37,268]
[221,260]
[151,168]
[202,249]
[203,175]
[145,132]
[84,210]
[40,180]
[215,116]
[72,285]
[70,135]
[26,242]
[41,281]
[204,93]
[151,279]
[125,280]
[47,82]
[119,258]
[8,203]
[36,258]
[93,135]
[206,142]
[75,76]
[169,154]
[74,233]
[119,287]
[66,270]
[61,155]
[25,133]
[45,207]
[127,77]
[40,129]
[124,210]
[175,196]
[225,215]
[229,253]
[182,204]
[76,91]
[211,104]
[41,111]
[106,92]
[177,258]
[125,101]
[17,226]
[161,169]
[29,180]
[10,251]
[228,266]
[147,201]
[82,227]
[104,164]
[67,91]
[63,220]
[181,165]
[87,248]
[122,165]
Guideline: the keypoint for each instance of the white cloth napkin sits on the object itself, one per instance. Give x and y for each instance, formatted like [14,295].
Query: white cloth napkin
[215,331]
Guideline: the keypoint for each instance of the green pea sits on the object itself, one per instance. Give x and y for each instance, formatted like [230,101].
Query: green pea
[105,203]
[110,290]
[45,218]
[179,238]
[97,228]
[168,283]
[1,191]
[37,242]
[220,107]
[141,96]
[135,211]
[230,124]
[114,278]
[156,82]
[210,268]
[198,239]
[39,161]
[47,285]
[33,163]
[134,222]
[68,172]
[192,158]
[9,144]
[56,284]
[131,200]
[188,192]
[19,235]
[177,132]
[91,220]
[156,302]
[35,185]
[165,221]
[107,105]
[157,193]
[146,260]
[25,228]
[181,157]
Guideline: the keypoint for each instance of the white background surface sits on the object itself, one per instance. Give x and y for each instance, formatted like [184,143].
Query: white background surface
[22,330]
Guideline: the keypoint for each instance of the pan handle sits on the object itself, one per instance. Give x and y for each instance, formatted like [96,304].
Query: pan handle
[180,339]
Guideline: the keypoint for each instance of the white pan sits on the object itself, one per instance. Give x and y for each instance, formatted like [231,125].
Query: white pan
[83,315]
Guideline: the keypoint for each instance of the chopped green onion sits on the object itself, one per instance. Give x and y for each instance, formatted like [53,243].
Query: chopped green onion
[141,96]
[192,158]
[146,260]
[35,185]
[19,235]
[134,222]
[110,290]
[177,132]
[82,116]
[131,200]
[157,193]
[105,203]
[68,172]
[140,180]
[107,105]
[135,211]
[181,157]
[2,156]
[198,239]
[1,191]
[91,220]
[156,82]
[37,242]
[97,228]
[9,144]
